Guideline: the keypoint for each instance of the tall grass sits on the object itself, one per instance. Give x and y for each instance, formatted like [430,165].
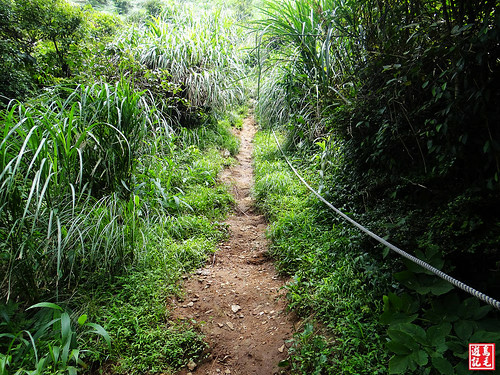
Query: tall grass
[98,193]
[307,60]
[65,186]
[142,234]
[198,52]
[82,169]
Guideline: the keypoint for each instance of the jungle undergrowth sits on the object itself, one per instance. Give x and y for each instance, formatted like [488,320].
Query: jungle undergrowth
[133,309]
[179,215]
[331,274]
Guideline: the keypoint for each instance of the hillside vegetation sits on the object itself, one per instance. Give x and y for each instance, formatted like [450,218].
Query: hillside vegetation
[390,109]
[116,121]
[114,131]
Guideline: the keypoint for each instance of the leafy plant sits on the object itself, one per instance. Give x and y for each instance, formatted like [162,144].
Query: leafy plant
[385,90]
[199,55]
[53,346]
[428,332]
[62,162]
[108,181]
[331,275]
[309,353]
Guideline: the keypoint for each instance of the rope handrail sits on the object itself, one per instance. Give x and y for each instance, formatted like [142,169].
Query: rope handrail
[483,297]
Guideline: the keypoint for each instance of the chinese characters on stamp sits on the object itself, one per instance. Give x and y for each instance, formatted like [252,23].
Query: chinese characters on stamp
[481,356]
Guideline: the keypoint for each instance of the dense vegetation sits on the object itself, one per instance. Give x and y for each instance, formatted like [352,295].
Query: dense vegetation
[331,276]
[113,133]
[116,119]
[396,103]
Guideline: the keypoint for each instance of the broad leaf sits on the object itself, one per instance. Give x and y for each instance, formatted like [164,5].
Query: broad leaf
[440,287]
[420,357]
[403,337]
[398,364]
[398,348]
[100,331]
[413,330]
[50,305]
[464,329]
[82,319]
[442,365]
[436,334]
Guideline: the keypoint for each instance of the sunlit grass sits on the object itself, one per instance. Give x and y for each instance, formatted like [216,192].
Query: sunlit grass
[199,53]
[109,189]
[64,162]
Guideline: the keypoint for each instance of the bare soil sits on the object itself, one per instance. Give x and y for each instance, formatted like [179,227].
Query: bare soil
[238,294]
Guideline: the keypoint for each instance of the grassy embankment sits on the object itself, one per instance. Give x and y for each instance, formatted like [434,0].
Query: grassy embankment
[334,282]
[109,193]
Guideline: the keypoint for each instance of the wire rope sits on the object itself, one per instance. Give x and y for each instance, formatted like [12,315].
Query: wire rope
[459,284]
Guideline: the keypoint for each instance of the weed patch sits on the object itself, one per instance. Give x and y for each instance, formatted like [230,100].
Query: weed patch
[212,203]
[331,275]
[134,313]
[134,310]
[167,227]
[108,181]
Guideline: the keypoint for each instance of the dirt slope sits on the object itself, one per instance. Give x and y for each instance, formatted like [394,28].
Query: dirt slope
[238,293]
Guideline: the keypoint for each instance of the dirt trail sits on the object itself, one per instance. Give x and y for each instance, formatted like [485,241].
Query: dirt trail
[237,293]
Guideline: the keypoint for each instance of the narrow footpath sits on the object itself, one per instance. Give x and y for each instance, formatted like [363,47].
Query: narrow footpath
[238,294]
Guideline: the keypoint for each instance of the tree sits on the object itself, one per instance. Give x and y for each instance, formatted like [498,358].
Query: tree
[37,38]
[15,82]
[153,7]
[53,21]
[123,6]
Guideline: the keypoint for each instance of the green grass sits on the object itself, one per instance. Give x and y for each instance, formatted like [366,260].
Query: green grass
[331,275]
[198,52]
[187,226]
[218,133]
[109,193]
[359,312]
[131,306]
[66,171]
[133,309]
[210,202]
[162,222]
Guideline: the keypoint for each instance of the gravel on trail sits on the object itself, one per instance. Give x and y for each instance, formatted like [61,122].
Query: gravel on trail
[237,299]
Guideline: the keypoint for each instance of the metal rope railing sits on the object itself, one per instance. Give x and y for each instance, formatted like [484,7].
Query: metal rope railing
[483,297]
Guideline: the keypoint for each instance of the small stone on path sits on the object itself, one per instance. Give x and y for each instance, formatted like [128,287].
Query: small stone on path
[191,365]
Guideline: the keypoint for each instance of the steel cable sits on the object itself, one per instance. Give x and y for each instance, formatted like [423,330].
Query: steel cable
[483,297]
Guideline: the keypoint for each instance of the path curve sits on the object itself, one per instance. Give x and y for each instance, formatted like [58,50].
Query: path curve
[238,294]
